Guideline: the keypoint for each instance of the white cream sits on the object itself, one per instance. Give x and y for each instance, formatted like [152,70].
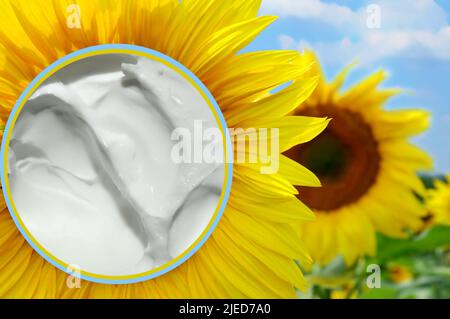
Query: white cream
[90,165]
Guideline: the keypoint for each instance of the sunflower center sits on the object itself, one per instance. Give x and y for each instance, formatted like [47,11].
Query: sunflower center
[345,157]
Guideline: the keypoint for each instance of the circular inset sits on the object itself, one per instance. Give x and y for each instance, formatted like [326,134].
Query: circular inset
[116,162]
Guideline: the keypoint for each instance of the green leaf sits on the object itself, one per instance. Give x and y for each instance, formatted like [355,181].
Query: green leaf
[390,248]
[380,293]
[428,180]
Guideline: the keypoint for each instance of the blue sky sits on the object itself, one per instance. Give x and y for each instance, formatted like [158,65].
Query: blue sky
[410,39]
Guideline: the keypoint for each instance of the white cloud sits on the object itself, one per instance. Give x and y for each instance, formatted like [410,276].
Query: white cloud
[333,14]
[377,45]
[425,15]
[407,28]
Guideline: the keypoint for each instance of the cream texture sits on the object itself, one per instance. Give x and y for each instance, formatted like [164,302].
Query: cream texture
[90,165]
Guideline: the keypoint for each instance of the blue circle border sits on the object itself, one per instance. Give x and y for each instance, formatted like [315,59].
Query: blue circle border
[229,163]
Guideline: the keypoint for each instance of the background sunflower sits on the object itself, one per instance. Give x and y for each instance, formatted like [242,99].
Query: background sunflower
[252,251]
[438,202]
[388,35]
[367,167]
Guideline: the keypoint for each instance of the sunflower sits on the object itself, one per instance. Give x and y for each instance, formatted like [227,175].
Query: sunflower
[400,274]
[439,202]
[366,165]
[255,250]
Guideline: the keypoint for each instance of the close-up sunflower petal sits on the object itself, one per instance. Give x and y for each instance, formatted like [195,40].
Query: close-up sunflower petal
[206,37]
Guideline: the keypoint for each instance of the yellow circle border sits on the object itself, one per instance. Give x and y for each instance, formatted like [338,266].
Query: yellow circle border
[193,80]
